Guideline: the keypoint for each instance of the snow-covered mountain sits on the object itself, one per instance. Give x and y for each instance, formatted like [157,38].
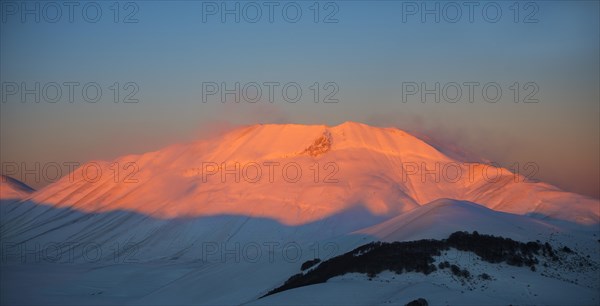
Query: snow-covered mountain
[169,226]
[297,174]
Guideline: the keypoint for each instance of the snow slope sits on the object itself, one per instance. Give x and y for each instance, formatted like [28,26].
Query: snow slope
[510,285]
[442,217]
[169,261]
[12,189]
[574,279]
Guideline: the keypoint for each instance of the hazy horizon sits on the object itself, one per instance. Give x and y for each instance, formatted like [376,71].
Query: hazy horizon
[368,51]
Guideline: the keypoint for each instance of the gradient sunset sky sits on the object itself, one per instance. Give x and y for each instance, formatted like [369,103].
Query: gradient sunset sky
[369,53]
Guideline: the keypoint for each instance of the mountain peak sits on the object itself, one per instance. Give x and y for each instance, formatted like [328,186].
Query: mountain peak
[279,140]
[353,124]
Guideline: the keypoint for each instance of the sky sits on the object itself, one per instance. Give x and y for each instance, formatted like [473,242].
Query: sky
[166,63]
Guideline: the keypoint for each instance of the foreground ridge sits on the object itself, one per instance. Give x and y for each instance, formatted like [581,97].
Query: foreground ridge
[419,256]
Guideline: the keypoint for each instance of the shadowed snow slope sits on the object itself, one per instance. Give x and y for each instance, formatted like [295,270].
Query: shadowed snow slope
[440,218]
[297,174]
[194,261]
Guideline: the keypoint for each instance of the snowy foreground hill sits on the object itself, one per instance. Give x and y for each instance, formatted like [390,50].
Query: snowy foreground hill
[230,219]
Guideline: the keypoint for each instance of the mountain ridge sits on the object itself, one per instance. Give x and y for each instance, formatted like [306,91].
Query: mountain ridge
[11,188]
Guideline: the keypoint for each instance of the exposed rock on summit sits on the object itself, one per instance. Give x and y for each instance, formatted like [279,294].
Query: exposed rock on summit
[320,146]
